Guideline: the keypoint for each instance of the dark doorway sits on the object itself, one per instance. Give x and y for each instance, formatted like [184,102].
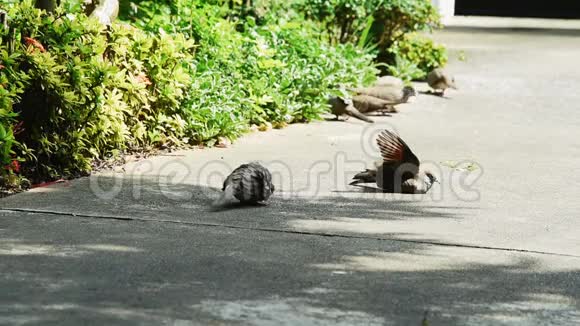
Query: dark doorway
[519,8]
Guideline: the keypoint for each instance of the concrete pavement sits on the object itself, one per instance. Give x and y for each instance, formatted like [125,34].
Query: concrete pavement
[497,246]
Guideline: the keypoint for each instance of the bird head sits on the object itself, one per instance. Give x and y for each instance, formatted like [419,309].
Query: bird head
[450,81]
[409,91]
[432,178]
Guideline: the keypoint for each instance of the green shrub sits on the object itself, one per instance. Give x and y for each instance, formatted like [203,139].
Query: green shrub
[344,20]
[12,84]
[393,19]
[382,24]
[276,72]
[416,55]
[88,94]
[11,87]
[74,92]
[152,80]
[315,69]
[60,106]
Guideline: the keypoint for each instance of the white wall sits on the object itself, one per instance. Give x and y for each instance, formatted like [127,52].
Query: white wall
[446,8]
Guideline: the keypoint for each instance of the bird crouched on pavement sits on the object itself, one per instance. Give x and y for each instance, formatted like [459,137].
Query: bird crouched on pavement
[249,183]
[400,171]
[393,94]
[389,81]
[440,80]
[367,104]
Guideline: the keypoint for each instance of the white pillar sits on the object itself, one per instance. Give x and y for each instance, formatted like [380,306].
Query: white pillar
[446,9]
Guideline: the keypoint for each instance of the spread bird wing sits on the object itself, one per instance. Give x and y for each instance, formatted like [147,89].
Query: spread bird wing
[395,150]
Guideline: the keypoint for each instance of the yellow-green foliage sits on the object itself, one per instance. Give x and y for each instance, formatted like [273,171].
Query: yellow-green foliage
[89,93]
[151,83]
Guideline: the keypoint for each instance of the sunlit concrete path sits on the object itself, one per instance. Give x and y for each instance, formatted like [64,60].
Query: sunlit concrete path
[499,245]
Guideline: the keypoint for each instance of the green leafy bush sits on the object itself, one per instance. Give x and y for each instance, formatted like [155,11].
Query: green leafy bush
[382,24]
[315,69]
[73,92]
[12,83]
[275,72]
[88,94]
[393,19]
[63,88]
[344,20]
[416,55]
[11,87]
[151,80]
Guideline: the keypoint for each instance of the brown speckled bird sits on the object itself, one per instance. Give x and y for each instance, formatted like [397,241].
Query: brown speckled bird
[392,94]
[399,171]
[249,183]
[439,80]
[389,81]
[367,104]
[339,106]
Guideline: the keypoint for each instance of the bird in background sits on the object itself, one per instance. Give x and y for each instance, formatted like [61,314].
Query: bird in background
[389,81]
[393,94]
[399,171]
[340,106]
[249,183]
[439,80]
[368,104]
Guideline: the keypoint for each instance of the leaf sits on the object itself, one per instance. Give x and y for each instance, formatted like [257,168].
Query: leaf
[467,166]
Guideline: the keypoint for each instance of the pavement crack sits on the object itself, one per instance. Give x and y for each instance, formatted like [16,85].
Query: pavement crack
[278,230]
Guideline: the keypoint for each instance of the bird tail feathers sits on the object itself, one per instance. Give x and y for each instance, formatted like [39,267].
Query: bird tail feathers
[352,111]
[366,176]
[355,182]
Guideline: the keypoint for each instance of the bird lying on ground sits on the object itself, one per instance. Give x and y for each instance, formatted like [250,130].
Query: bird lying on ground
[392,94]
[400,171]
[439,80]
[249,183]
[389,81]
[339,106]
[368,104]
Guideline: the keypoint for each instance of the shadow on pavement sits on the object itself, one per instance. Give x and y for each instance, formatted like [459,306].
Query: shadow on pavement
[153,198]
[71,270]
